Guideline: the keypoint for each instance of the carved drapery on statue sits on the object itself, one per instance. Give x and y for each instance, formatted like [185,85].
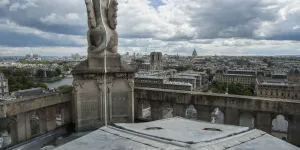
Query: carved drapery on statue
[102,24]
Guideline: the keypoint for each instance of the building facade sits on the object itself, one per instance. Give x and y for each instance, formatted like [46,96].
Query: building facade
[279,86]
[156,61]
[162,83]
[244,77]
[3,85]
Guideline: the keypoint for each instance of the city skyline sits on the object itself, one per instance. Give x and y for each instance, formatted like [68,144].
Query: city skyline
[58,28]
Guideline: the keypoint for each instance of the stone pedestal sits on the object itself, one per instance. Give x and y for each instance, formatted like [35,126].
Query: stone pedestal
[89,88]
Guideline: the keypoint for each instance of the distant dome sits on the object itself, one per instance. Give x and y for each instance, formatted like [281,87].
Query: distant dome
[194,53]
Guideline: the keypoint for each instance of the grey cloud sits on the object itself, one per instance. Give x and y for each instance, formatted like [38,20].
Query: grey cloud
[29,13]
[230,18]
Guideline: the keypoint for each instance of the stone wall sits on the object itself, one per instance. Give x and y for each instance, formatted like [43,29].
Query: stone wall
[263,109]
[18,106]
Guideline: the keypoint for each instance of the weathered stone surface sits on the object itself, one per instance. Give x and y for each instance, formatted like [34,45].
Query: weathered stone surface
[294,132]
[103,73]
[89,99]
[113,65]
[246,103]
[14,107]
[102,35]
[232,105]
[20,128]
[47,118]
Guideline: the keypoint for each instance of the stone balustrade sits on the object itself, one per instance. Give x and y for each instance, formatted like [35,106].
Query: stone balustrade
[45,106]
[264,110]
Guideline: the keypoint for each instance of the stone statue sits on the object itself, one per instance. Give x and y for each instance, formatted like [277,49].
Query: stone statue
[102,24]
[103,69]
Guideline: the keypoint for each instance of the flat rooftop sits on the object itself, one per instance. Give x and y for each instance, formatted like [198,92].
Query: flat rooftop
[177,133]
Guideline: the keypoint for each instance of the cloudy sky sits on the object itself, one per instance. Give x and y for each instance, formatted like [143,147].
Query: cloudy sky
[222,27]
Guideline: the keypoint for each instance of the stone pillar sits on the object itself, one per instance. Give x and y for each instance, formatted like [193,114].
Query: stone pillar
[156,111]
[179,110]
[263,121]
[231,116]
[294,131]
[47,119]
[203,113]
[138,109]
[20,128]
[65,114]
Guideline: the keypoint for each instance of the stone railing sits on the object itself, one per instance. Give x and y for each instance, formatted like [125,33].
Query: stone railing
[263,110]
[43,106]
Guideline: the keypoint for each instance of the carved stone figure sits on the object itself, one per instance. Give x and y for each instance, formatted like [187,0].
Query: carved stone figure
[97,73]
[102,22]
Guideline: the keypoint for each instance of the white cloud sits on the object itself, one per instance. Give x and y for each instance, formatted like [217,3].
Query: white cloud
[44,51]
[216,26]
[11,26]
[53,18]
[296,27]
[4,2]
[17,5]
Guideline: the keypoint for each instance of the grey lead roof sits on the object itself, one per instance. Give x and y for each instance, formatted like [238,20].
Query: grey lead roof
[177,133]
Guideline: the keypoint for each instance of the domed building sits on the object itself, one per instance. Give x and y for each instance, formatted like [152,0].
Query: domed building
[194,53]
[294,75]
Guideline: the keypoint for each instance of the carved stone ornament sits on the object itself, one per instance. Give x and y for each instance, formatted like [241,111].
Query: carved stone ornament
[109,83]
[102,23]
[89,76]
[77,84]
[99,82]
[131,83]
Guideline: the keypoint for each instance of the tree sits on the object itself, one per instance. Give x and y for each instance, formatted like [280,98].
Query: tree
[65,88]
[50,74]
[40,73]
[41,85]
[58,71]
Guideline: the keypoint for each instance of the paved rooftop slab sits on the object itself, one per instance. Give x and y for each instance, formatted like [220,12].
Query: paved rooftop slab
[177,133]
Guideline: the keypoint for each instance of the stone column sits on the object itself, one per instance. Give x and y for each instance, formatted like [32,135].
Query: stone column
[263,121]
[65,114]
[179,110]
[294,131]
[231,116]
[156,111]
[20,128]
[203,113]
[47,118]
[138,109]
